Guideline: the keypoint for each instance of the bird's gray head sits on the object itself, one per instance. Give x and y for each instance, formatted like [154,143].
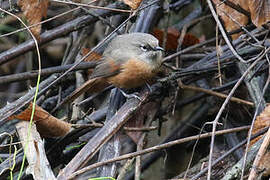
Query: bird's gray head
[135,45]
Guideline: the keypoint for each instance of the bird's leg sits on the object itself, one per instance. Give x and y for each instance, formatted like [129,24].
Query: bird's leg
[128,96]
[149,87]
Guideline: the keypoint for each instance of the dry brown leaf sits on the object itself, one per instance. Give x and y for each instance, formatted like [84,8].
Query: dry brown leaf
[47,125]
[134,4]
[147,110]
[34,11]
[259,11]
[172,38]
[262,121]
[229,15]
[190,40]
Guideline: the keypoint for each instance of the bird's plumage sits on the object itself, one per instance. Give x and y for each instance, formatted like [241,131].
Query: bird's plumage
[129,61]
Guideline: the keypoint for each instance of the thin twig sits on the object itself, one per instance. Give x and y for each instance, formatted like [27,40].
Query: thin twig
[218,94]
[203,171]
[266,140]
[44,21]
[44,72]
[215,122]
[36,91]
[155,148]
[92,6]
[223,32]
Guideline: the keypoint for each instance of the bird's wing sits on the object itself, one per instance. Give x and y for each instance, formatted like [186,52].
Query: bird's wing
[106,68]
[97,80]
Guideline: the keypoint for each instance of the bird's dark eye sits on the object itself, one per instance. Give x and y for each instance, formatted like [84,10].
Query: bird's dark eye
[144,48]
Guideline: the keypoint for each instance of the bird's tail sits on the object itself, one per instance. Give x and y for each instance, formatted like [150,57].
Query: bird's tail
[90,86]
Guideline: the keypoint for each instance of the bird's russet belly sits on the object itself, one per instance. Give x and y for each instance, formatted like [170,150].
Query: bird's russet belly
[134,73]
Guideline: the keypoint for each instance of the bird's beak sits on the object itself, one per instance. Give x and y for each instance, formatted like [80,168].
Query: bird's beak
[159,48]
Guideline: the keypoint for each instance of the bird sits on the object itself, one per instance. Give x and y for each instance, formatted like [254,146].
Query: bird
[129,61]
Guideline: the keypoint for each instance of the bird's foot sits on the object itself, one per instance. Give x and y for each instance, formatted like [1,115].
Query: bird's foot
[133,95]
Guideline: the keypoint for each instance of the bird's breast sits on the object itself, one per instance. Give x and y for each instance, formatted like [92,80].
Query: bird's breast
[134,73]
